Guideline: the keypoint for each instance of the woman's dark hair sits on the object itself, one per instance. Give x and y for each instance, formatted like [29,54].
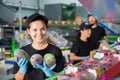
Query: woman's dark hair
[35,17]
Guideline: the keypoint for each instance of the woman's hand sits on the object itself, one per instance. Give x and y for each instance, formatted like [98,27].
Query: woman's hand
[23,64]
[47,70]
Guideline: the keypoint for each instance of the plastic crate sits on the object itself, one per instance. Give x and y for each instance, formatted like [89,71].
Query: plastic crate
[111,72]
[57,74]
[107,75]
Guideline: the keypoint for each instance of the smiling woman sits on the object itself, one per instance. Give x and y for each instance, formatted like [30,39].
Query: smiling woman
[37,29]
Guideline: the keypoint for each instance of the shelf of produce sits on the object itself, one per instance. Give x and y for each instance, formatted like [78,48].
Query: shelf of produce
[106,75]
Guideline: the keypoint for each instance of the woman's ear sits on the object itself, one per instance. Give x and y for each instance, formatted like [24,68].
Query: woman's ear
[81,31]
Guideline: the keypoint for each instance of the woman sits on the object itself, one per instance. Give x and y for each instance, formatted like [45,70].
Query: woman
[37,29]
[81,46]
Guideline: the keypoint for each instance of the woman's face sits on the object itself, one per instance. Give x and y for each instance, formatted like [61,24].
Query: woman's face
[38,31]
[92,20]
[86,33]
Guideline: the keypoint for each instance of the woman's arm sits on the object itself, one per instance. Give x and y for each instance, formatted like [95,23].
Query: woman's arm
[19,76]
[105,38]
[21,68]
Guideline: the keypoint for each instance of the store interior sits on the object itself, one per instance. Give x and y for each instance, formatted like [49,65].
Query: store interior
[64,16]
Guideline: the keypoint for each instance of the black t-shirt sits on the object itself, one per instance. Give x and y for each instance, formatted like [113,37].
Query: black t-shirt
[37,74]
[96,35]
[81,48]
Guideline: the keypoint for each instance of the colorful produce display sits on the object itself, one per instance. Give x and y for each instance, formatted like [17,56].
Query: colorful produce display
[80,75]
[93,68]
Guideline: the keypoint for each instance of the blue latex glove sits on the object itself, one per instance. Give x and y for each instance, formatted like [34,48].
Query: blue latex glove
[85,57]
[23,64]
[38,66]
[47,70]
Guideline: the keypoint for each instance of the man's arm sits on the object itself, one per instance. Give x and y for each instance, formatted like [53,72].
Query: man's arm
[105,38]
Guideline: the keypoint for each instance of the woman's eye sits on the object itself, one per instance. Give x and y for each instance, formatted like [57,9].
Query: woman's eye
[34,30]
[43,29]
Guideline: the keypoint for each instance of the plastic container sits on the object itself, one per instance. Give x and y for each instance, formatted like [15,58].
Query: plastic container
[111,72]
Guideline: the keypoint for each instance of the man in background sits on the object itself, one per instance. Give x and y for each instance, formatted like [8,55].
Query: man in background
[97,32]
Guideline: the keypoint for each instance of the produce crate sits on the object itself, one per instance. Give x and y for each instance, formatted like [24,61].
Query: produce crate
[57,74]
[111,72]
[106,75]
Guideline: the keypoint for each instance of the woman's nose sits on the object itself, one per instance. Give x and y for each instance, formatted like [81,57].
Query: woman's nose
[39,32]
